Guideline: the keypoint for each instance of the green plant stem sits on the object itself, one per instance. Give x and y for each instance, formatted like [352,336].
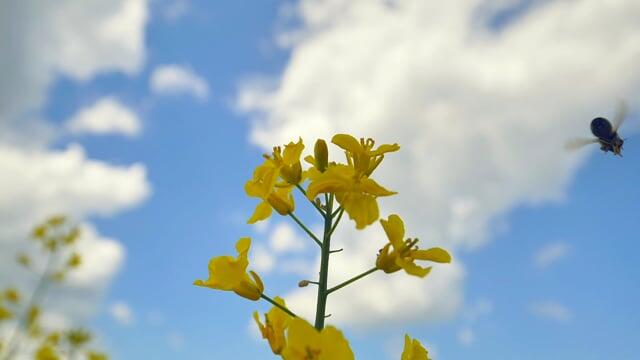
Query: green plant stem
[336,211]
[324,266]
[274,303]
[306,229]
[312,202]
[335,224]
[36,297]
[354,279]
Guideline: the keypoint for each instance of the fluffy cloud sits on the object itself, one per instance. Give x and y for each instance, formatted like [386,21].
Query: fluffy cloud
[551,310]
[105,116]
[550,254]
[480,102]
[40,41]
[122,313]
[176,79]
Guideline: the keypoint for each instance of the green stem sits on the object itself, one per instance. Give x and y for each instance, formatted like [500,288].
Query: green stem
[335,224]
[312,202]
[336,212]
[306,229]
[324,266]
[354,279]
[278,305]
[36,297]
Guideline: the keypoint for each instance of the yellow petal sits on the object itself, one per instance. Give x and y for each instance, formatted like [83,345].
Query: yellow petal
[292,152]
[347,142]
[371,187]
[394,228]
[302,338]
[262,211]
[413,350]
[334,345]
[362,208]
[383,149]
[412,269]
[435,254]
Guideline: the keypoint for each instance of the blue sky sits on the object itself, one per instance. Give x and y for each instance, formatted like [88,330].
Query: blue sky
[481,98]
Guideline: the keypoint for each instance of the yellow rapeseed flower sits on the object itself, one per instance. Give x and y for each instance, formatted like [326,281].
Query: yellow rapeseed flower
[265,183]
[401,254]
[413,350]
[361,154]
[304,342]
[12,295]
[227,273]
[5,314]
[47,352]
[93,355]
[74,261]
[276,322]
[355,192]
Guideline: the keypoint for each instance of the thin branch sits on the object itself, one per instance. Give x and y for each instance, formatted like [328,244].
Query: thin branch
[312,202]
[338,287]
[306,229]
[335,224]
[283,308]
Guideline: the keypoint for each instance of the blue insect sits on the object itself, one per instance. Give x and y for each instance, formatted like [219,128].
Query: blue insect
[605,132]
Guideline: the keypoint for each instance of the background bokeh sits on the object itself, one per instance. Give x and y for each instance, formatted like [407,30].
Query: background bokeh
[142,120]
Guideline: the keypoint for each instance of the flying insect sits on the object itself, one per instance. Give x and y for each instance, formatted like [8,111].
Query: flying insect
[605,132]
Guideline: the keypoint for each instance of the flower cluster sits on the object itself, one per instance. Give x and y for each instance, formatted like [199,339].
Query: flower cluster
[332,188]
[57,240]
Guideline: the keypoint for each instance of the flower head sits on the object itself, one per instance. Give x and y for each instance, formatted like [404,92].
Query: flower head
[355,192]
[304,342]
[273,181]
[361,154]
[401,254]
[413,350]
[276,322]
[227,273]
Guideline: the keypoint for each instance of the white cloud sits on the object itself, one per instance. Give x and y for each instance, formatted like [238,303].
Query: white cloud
[482,115]
[122,313]
[176,79]
[465,336]
[284,239]
[551,310]
[261,259]
[175,341]
[105,116]
[550,254]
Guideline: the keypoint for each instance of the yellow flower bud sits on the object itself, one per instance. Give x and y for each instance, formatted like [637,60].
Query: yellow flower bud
[292,174]
[281,201]
[321,155]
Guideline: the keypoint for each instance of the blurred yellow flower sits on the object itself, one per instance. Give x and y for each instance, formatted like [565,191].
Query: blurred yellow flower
[355,192]
[78,337]
[92,355]
[265,185]
[24,260]
[304,342]
[413,350]
[400,254]
[276,322]
[5,314]
[74,261]
[227,273]
[47,352]
[12,295]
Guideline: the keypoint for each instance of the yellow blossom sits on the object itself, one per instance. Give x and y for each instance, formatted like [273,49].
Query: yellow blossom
[304,342]
[400,254]
[12,295]
[355,192]
[78,337]
[74,261]
[276,322]
[5,314]
[93,355]
[47,352]
[264,183]
[227,273]
[24,260]
[361,154]
[413,350]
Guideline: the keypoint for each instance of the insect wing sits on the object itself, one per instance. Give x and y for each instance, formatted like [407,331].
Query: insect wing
[577,143]
[621,114]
